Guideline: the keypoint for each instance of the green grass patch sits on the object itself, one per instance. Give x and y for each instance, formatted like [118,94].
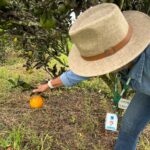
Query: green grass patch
[12,139]
[13,69]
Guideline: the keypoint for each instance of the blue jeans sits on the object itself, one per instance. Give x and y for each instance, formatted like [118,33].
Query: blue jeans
[135,119]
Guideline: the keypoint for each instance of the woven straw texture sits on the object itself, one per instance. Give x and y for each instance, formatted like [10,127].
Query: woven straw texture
[98,29]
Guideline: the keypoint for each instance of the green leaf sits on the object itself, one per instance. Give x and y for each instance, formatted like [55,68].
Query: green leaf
[12,82]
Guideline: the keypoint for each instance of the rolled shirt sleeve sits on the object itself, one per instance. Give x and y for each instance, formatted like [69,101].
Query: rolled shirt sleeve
[69,78]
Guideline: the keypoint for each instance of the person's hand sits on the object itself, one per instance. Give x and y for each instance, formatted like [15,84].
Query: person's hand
[41,88]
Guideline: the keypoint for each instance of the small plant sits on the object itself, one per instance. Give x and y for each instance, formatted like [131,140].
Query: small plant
[13,139]
[20,83]
[46,142]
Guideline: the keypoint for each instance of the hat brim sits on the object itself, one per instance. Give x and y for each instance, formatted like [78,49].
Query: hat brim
[140,23]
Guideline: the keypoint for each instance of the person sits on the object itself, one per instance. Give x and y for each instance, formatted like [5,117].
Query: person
[107,40]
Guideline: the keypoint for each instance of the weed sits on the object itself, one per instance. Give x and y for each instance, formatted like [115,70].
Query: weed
[13,139]
[46,142]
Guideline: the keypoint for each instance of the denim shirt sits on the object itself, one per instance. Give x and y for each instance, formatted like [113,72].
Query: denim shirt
[139,73]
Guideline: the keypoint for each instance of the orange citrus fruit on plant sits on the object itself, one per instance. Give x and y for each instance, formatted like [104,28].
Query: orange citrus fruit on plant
[36,101]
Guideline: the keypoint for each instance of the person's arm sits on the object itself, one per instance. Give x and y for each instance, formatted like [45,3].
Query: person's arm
[67,79]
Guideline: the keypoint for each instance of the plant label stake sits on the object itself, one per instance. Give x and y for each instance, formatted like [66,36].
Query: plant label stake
[118,97]
[111,122]
[123,103]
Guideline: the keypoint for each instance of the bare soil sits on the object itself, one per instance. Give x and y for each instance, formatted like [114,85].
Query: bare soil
[73,119]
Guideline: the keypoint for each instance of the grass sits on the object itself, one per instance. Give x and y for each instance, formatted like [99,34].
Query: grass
[16,137]
[73,118]
[13,71]
[12,139]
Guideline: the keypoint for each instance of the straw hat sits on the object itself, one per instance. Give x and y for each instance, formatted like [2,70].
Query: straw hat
[105,39]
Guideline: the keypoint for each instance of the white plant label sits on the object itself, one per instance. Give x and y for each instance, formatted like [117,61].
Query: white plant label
[111,122]
[124,103]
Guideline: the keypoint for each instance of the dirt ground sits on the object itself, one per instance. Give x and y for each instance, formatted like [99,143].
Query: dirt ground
[69,120]
[74,119]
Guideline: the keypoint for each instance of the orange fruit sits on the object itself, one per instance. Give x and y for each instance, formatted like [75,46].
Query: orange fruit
[36,101]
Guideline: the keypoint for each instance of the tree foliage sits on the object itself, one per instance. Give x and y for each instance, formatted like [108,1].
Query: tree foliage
[39,28]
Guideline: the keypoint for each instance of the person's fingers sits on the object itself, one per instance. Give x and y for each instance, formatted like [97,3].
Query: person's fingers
[36,90]
[40,88]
